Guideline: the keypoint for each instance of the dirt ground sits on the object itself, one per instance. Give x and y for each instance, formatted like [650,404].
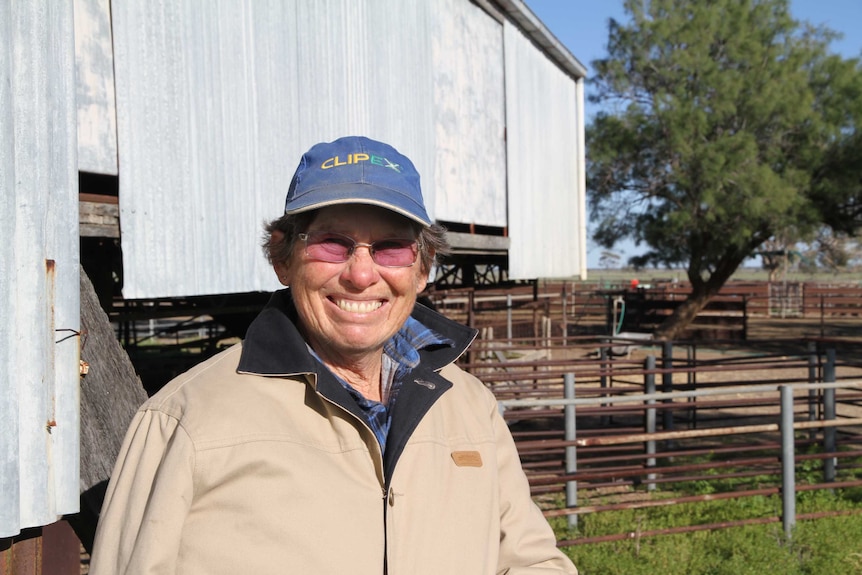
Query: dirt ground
[776,351]
[766,328]
[784,337]
[792,336]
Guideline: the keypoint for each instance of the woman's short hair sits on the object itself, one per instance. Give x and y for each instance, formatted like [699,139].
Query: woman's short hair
[281,234]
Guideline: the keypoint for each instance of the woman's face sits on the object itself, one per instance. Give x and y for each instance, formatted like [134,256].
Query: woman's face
[348,310]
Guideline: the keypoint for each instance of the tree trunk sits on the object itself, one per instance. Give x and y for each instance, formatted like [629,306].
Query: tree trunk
[111,392]
[702,291]
[684,314]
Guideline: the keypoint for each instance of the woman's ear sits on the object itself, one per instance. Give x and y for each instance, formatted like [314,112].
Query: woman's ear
[281,268]
[281,272]
[424,272]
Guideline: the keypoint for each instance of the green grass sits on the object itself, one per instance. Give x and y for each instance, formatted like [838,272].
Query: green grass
[825,546]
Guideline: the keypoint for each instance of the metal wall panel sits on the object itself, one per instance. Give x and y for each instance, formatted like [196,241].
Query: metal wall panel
[39,271]
[470,104]
[216,101]
[94,67]
[544,118]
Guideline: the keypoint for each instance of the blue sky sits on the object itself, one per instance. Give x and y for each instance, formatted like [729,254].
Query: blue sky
[582,26]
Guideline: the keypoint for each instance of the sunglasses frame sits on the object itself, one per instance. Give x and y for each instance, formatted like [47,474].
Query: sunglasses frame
[414,244]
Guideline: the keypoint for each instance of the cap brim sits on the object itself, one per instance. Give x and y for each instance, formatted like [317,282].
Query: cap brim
[367,194]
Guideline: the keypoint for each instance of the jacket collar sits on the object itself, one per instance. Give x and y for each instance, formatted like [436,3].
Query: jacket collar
[273,345]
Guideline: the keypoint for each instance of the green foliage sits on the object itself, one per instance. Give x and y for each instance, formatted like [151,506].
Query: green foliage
[837,183]
[722,114]
[826,545]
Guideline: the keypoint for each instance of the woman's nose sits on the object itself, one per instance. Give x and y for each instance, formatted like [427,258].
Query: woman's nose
[361,271]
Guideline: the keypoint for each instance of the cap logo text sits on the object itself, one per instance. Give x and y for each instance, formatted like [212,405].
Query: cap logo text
[336,161]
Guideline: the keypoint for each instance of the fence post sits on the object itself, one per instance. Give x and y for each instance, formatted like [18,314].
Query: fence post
[812,393]
[603,362]
[667,386]
[829,415]
[509,317]
[788,462]
[571,449]
[603,378]
[565,320]
[822,315]
[649,388]
[691,378]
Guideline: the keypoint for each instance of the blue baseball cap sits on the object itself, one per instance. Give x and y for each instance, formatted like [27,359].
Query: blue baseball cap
[356,170]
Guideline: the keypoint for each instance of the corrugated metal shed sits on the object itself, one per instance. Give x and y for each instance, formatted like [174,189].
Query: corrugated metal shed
[215,102]
[39,272]
[545,160]
[97,110]
[470,109]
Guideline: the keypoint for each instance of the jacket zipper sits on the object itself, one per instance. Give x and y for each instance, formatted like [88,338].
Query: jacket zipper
[385,490]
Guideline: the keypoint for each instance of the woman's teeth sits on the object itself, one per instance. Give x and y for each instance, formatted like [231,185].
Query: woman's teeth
[358,306]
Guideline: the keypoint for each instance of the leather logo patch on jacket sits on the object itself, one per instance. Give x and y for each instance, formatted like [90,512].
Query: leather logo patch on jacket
[467,458]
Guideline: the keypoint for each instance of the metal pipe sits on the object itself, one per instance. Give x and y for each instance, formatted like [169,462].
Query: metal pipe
[571,450]
[670,435]
[649,387]
[711,432]
[603,378]
[509,316]
[641,397]
[788,463]
[652,503]
[691,353]
[812,393]
[667,382]
[828,423]
[565,320]
[829,415]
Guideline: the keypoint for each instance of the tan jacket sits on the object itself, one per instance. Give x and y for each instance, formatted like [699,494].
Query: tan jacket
[254,462]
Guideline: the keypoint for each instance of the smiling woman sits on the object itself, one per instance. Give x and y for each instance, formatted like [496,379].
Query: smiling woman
[342,411]
[348,309]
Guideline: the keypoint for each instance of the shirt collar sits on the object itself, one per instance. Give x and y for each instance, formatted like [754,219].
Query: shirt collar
[404,346]
[427,337]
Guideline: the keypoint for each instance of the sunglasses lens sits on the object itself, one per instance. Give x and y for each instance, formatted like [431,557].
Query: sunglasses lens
[394,253]
[336,248]
[328,247]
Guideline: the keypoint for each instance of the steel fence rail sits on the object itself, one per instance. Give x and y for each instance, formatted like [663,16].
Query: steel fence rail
[647,471]
[641,397]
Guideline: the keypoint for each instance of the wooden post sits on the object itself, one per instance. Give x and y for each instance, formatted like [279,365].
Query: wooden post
[50,550]
[111,393]
[22,554]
